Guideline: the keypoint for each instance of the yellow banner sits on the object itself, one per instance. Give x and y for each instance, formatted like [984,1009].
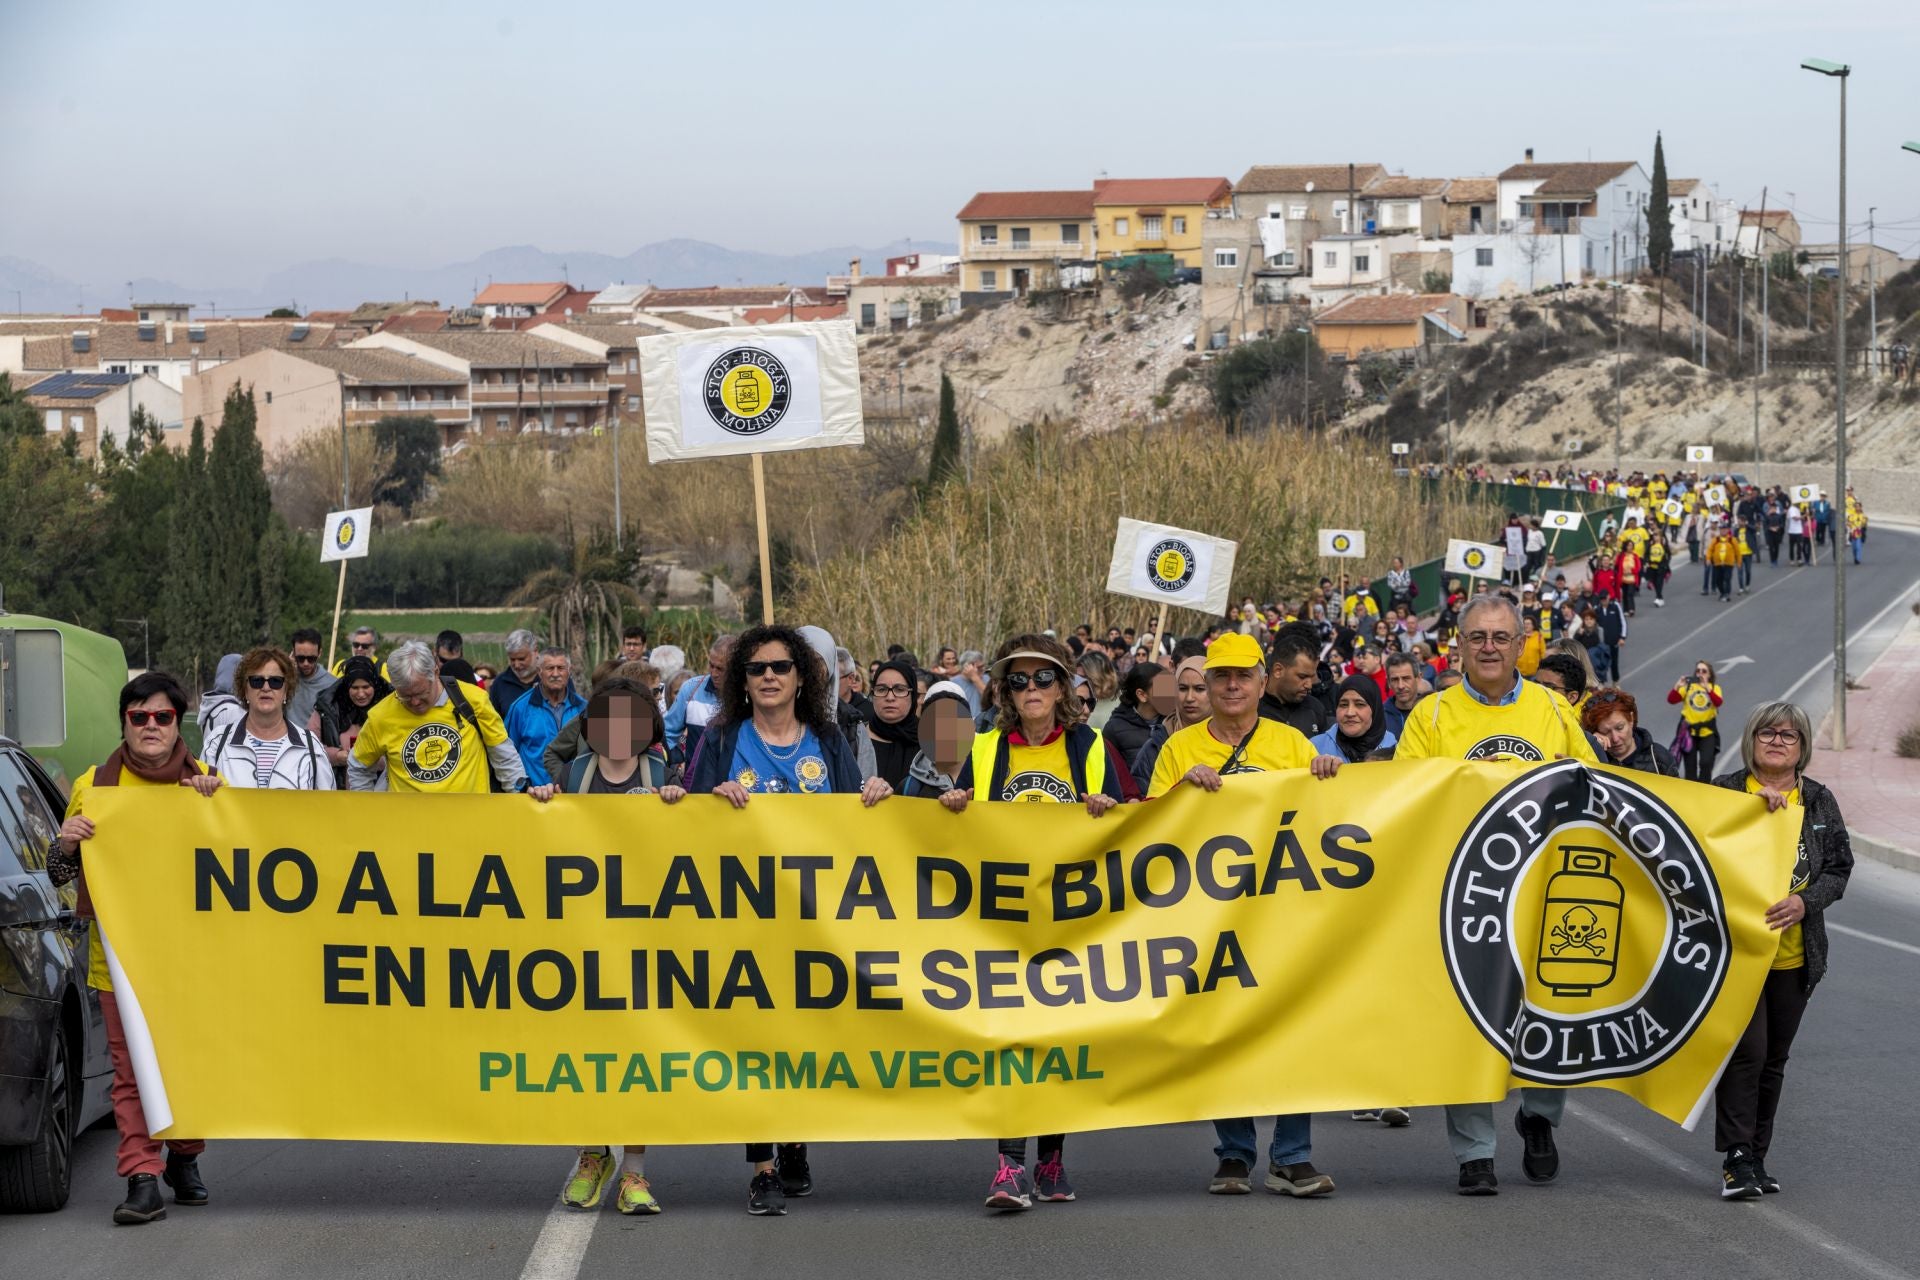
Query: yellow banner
[612,969]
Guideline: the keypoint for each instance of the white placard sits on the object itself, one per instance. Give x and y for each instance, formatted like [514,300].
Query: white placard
[1171,566]
[347,535]
[754,389]
[1674,510]
[1699,453]
[1716,495]
[1401,446]
[1475,559]
[1561,521]
[1345,543]
[1806,493]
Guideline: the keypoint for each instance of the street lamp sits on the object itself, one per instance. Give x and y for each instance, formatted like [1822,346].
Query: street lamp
[1911,146]
[1839,71]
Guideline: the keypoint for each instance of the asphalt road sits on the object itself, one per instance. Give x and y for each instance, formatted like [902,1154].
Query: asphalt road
[1637,1196]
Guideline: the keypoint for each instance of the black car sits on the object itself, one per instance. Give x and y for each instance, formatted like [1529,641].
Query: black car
[54,1068]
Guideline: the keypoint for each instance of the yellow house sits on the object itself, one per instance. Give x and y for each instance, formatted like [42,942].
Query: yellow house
[1389,325]
[1156,215]
[1015,241]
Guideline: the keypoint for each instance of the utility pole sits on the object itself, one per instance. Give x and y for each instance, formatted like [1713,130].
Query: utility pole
[1873,305]
[1839,71]
[1618,350]
[346,497]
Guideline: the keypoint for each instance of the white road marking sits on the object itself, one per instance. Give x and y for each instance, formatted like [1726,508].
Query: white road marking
[1826,663]
[561,1246]
[1728,664]
[1864,936]
[1655,659]
[1858,1260]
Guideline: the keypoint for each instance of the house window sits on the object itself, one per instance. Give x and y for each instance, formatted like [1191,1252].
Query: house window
[573,418]
[989,281]
[53,420]
[1179,226]
[1331,258]
[1120,226]
[1362,262]
[1276,210]
[146,315]
[990,233]
[1023,237]
[1226,257]
[613,369]
[1069,233]
[153,369]
[633,364]
[866,311]
[1285,259]
[633,404]
[1297,212]
[1150,227]
[501,422]
[929,311]
[1483,257]
[77,422]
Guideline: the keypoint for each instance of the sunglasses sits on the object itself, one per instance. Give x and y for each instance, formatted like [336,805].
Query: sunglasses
[363,644]
[306,659]
[266,682]
[779,667]
[161,718]
[1045,678]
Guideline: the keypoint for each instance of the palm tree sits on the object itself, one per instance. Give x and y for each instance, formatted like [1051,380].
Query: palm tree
[584,603]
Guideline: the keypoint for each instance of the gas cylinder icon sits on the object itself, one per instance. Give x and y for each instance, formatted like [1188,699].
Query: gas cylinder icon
[746,391]
[1580,928]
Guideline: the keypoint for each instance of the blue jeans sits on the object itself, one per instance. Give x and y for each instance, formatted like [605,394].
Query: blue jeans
[1292,1140]
[1746,571]
[1858,543]
[1706,577]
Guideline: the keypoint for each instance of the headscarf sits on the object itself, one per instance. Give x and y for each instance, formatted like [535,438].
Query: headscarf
[1356,749]
[1197,660]
[906,731]
[358,667]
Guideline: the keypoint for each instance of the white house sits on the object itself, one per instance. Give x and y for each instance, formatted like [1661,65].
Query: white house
[1352,264]
[1698,222]
[1599,205]
[1507,263]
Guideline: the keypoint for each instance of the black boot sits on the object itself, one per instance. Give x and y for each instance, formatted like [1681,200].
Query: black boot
[183,1175]
[142,1202]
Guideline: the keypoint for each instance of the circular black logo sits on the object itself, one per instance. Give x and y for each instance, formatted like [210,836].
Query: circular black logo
[1583,927]
[1170,565]
[431,752]
[1037,787]
[747,391]
[1503,746]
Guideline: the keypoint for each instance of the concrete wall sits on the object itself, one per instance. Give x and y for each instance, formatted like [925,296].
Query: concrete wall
[291,396]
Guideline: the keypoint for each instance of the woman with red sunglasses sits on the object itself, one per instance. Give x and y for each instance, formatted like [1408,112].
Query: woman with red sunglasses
[151,754]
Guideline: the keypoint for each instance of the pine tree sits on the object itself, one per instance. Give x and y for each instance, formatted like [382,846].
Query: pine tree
[240,509]
[1659,214]
[945,463]
[186,605]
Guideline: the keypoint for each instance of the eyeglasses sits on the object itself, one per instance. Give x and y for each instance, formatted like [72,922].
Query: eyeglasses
[1481,639]
[1785,737]
[891,691]
[161,718]
[1045,678]
[306,659]
[779,667]
[266,682]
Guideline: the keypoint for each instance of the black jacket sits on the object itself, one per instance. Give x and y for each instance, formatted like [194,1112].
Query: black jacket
[1612,616]
[505,689]
[1827,852]
[1648,756]
[1309,715]
[1128,731]
[713,758]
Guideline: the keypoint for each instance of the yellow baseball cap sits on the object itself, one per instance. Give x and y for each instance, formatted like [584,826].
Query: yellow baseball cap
[1235,650]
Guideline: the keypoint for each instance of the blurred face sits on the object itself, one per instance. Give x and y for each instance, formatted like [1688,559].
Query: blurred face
[1777,747]
[419,696]
[1190,695]
[152,740]
[306,659]
[1160,694]
[1492,648]
[768,688]
[360,693]
[892,697]
[1035,704]
[946,733]
[1234,692]
[619,726]
[1403,683]
[553,676]
[1616,734]
[262,698]
[1353,715]
[521,662]
[1293,680]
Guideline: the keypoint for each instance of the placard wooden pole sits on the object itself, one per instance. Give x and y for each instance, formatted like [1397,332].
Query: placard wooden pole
[766,560]
[339,595]
[1160,632]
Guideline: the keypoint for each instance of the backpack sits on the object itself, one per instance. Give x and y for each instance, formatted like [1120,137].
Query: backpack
[463,711]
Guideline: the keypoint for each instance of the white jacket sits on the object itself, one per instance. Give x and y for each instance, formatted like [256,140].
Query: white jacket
[302,766]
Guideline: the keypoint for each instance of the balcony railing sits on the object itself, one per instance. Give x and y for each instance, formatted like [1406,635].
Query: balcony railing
[500,393]
[1004,248]
[461,407]
[1569,226]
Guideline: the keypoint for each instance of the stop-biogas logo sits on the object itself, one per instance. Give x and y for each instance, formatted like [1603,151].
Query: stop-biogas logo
[1170,564]
[747,391]
[1583,928]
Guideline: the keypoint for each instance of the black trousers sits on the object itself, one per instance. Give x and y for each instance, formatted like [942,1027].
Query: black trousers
[761,1152]
[1697,764]
[1749,1091]
[1015,1149]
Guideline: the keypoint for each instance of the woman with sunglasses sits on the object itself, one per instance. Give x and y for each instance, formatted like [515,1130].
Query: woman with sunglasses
[1697,742]
[1038,751]
[1778,746]
[1612,718]
[775,732]
[265,749]
[151,754]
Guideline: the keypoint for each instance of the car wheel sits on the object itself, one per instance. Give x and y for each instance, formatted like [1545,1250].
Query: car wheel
[35,1178]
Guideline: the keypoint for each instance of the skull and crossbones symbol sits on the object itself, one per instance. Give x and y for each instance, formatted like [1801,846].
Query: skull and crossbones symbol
[1579,927]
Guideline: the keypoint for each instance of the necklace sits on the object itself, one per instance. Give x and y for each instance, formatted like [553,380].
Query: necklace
[783,755]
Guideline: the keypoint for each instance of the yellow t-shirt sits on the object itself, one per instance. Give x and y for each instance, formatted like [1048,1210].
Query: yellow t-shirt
[1637,539]
[1793,938]
[1657,490]
[435,752]
[1453,724]
[97,975]
[1037,775]
[1274,746]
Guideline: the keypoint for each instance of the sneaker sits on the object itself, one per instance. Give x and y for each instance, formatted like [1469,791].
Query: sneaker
[1366,1115]
[1011,1189]
[589,1179]
[1050,1179]
[1232,1178]
[1477,1179]
[796,1175]
[634,1195]
[1768,1183]
[765,1198]
[1737,1180]
[1541,1160]
[1300,1180]
[1395,1117]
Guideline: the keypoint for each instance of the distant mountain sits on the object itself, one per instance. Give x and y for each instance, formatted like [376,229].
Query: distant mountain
[334,284]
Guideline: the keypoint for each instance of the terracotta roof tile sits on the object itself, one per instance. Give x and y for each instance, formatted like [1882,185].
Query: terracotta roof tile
[1139,191]
[520,295]
[742,296]
[375,312]
[1753,217]
[502,349]
[778,315]
[1394,308]
[219,340]
[1681,186]
[1472,190]
[374,365]
[1029,204]
[415,322]
[1581,178]
[1278,179]
[1392,188]
[688,320]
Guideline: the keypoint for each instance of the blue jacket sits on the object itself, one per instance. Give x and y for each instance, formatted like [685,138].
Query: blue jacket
[532,723]
[1328,743]
[712,760]
[682,737]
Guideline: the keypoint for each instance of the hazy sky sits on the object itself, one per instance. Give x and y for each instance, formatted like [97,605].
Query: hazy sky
[220,141]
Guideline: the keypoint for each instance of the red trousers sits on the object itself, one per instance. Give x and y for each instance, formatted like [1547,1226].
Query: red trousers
[139,1151]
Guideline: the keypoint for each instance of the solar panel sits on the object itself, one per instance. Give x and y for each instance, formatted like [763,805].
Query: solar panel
[196,333]
[82,342]
[147,333]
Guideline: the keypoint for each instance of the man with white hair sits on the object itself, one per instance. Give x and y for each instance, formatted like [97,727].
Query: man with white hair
[1494,714]
[537,718]
[434,736]
[519,676]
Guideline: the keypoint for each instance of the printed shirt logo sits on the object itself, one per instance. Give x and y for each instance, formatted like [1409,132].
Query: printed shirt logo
[1170,564]
[431,753]
[1698,699]
[1503,746]
[1584,930]
[747,391]
[1035,787]
[343,536]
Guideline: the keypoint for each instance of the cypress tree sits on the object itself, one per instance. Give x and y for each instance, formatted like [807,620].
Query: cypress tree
[186,605]
[945,462]
[1659,214]
[240,509]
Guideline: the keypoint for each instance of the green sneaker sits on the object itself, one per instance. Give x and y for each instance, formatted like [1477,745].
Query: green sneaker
[634,1195]
[589,1180]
